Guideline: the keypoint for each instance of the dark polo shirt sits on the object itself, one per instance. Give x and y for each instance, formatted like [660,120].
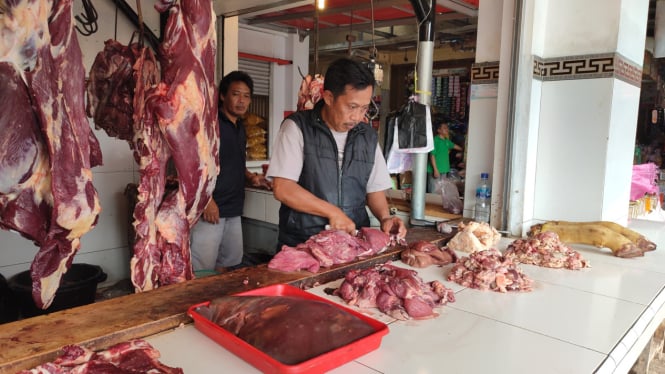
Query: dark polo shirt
[229,191]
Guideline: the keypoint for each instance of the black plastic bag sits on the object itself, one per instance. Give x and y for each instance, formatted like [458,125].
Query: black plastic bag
[412,126]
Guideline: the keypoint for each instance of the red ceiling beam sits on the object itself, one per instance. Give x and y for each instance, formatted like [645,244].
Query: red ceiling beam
[251,56]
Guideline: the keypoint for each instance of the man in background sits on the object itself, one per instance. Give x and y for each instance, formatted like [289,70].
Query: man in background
[217,238]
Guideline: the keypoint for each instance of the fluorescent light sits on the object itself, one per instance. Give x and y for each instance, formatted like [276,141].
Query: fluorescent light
[321,4]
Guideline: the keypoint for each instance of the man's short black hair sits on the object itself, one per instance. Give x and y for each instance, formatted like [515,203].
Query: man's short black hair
[235,76]
[346,71]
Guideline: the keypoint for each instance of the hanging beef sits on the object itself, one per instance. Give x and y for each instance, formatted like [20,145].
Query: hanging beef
[172,115]
[48,148]
[310,92]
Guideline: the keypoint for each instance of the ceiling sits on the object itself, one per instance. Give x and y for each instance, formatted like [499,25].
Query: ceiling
[347,24]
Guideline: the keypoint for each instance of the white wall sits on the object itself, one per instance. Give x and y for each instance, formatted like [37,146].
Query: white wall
[285,79]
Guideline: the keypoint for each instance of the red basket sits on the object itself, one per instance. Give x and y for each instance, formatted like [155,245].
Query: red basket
[267,364]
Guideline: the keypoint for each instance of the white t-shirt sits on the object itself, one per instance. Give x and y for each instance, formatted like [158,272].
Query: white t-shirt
[287,157]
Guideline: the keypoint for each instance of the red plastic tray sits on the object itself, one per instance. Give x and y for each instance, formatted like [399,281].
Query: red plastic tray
[267,364]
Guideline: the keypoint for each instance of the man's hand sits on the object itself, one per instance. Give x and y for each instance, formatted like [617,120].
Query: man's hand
[211,212]
[393,225]
[258,180]
[340,221]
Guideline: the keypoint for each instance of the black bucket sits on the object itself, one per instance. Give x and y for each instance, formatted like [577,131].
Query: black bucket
[77,287]
[8,306]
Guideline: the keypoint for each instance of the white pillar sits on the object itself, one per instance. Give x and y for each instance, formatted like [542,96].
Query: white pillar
[576,110]
[483,101]
[229,45]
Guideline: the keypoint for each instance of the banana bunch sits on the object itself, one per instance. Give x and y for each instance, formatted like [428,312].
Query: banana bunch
[623,241]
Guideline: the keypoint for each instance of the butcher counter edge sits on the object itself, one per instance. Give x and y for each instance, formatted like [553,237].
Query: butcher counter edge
[30,342]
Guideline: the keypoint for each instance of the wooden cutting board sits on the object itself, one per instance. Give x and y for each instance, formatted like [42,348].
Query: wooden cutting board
[431,210]
[27,343]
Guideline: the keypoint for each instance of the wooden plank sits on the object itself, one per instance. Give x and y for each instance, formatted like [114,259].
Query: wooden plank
[432,210]
[27,343]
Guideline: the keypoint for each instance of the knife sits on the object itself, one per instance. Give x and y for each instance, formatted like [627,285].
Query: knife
[328,227]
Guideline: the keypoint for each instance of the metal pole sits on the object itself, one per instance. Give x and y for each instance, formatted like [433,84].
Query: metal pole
[425,12]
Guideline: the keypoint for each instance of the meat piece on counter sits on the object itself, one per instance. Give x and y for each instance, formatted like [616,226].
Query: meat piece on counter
[489,270]
[293,259]
[474,236]
[375,241]
[289,329]
[172,115]
[49,149]
[545,249]
[134,356]
[421,254]
[396,291]
[330,247]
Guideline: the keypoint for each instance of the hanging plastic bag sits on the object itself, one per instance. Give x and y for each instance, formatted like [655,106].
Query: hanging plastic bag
[397,161]
[449,195]
[414,128]
[644,180]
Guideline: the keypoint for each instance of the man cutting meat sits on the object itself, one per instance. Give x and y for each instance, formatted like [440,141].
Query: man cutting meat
[326,164]
[217,237]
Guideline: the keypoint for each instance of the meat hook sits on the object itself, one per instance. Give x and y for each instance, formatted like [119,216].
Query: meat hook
[88,19]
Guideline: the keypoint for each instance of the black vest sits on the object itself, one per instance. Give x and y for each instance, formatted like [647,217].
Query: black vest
[345,188]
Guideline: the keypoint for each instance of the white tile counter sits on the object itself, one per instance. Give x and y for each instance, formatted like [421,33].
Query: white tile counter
[592,320]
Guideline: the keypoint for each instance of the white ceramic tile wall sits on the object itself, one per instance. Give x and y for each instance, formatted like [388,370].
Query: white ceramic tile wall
[272,209]
[620,150]
[488,44]
[572,147]
[581,27]
[633,14]
[482,119]
[255,205]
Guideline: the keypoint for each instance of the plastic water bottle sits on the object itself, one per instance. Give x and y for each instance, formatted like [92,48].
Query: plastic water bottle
[481,212]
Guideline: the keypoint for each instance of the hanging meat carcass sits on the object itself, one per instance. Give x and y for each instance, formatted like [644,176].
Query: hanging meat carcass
[163,116]
[310,92]
[47,148]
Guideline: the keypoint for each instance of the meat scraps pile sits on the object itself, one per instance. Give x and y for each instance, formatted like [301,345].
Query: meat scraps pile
[396,291]
[135,356]
[330,247]
[48,147]
[545,249]
[164,114]
[489,270]
[474,236]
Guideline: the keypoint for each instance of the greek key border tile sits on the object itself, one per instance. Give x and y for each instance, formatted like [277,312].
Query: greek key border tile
[485,73]
[606,65]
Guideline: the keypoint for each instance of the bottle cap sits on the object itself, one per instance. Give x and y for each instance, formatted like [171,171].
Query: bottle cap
[484,176]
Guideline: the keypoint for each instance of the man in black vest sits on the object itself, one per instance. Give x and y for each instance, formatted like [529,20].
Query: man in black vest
[217,237]
[326,165]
